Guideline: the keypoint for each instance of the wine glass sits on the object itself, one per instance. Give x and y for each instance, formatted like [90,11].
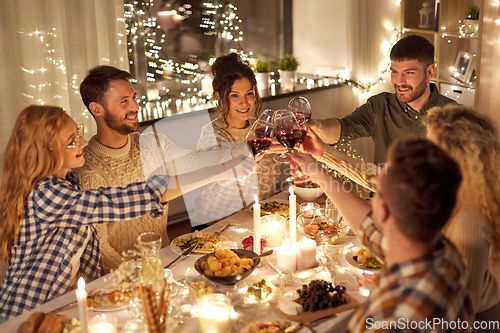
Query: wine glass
[261,134]
[301,109]
[288,131]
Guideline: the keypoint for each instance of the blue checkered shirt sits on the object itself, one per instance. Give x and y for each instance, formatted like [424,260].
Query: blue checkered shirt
[59,219]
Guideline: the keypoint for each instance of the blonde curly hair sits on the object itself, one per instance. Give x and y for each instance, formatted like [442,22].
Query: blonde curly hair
[472,140]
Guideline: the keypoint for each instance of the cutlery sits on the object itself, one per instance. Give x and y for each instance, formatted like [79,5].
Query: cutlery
[91,294]
[265,254]
[218,233]
[185,253]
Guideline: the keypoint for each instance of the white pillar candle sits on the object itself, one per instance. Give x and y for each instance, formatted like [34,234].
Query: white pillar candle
[287,258]
[306,254]
[81,297]
[256,225]
[273,232]
[292,201]
[214,314]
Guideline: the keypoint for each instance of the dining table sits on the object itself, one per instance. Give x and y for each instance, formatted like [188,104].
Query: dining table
[334,268]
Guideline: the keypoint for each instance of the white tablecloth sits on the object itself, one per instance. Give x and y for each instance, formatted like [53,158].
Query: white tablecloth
[241,221]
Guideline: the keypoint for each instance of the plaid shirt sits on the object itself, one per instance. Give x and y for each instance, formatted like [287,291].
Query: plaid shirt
[411,295]
[58,221]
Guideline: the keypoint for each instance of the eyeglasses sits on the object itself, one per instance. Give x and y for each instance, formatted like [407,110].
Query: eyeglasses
[76,141]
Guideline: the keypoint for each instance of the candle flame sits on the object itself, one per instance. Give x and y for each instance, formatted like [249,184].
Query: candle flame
[81,284]
[256,198]
[290,189]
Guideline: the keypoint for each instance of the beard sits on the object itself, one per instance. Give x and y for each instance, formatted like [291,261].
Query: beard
[118,125]
[414,92]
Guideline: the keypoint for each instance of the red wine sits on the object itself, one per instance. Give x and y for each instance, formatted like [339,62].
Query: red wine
[259,145]
[303,134]
[302,117]
[263,132]
[290,138]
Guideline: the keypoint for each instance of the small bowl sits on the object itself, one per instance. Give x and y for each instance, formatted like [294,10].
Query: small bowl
[231,279]
[323,225]
[307,193]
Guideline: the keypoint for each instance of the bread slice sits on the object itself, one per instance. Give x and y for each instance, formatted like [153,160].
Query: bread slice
[32,324]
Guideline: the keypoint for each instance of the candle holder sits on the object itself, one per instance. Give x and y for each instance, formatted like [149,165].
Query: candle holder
[103,324]
[272,229]
[214,313]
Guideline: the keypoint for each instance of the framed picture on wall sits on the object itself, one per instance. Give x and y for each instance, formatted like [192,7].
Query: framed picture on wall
[464,65]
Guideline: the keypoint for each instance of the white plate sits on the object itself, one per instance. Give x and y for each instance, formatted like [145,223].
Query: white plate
[350,260]
[178,250]
[281,201]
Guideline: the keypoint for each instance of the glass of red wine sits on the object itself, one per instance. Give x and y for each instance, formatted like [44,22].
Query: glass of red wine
[289,132]
[301,109]
[261,134]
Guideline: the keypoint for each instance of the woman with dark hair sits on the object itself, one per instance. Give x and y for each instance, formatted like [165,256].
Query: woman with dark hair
[235,90]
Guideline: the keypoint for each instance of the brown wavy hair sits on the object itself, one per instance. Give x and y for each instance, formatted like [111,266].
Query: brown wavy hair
[33,152]
[472,140]
[227,69]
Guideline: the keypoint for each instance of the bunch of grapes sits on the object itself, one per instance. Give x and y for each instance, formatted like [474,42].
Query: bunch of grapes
[320,295]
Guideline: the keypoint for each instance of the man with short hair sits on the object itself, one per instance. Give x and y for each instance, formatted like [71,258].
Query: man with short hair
[118,155]
[388,116]
[424,277]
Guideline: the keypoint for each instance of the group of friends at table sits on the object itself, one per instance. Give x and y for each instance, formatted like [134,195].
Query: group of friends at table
[70,207]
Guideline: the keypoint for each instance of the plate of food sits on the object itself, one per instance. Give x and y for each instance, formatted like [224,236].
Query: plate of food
[274,207]
[108,298]
[282,326]
[362,258]
[303,305]
[206,243]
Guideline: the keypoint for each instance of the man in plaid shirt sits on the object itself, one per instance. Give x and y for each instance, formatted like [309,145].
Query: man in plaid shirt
[423,286]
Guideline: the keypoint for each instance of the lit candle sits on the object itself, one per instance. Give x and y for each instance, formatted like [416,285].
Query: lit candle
[273,230]
[214,314]
[81,297]
[103,324]
[306,254]
[287,258]
[256,225]
[293,216]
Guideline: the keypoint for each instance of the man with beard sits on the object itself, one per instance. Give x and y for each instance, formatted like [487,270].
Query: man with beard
[386,117]
[118,155]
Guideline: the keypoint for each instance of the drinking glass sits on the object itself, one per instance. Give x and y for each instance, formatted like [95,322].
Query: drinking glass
[149,244]
[288,131]
[261,134]
[301,109]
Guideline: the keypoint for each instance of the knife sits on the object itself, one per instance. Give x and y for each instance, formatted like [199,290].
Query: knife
[185,253]
[218,233]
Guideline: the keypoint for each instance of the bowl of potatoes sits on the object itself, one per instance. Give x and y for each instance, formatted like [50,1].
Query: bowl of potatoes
[227,266]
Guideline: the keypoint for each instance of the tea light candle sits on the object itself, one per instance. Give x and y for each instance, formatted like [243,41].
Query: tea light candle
[273,230]
[214,314]
[306,254]
[103,324]
[256,225]
[81,297]
[292,201]
[287,258]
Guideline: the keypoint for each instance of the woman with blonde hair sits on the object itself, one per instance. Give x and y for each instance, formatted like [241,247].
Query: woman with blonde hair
[473,141]
[47,233]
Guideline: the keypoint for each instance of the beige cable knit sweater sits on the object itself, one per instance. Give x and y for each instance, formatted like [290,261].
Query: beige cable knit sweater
[135,162]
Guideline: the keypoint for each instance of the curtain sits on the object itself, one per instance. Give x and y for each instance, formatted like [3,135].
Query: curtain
[47,48]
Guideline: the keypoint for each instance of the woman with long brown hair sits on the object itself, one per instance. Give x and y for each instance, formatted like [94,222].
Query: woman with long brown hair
[46,221]
[472,139]
[235,89]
